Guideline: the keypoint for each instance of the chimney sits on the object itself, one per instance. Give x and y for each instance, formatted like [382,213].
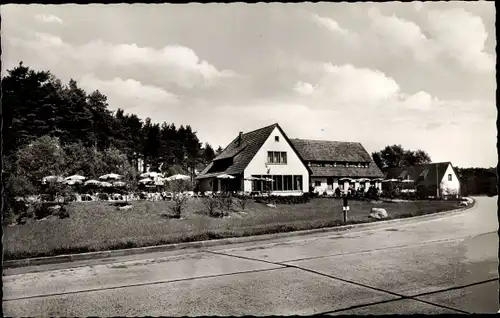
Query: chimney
[239,138]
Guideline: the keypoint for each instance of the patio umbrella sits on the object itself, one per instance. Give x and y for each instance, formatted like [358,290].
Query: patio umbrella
[53,179]
[407,181]
[92,182]
[377,179]
[391,180]
[178,177]
[105,184]
[159,182]
[73,181]
[119,184]
[110,176]
[145,180]
[225,176]
[253,179]
[363,180]
[345,179]
[76,177]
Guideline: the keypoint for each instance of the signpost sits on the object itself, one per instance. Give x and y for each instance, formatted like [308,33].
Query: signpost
[345,208]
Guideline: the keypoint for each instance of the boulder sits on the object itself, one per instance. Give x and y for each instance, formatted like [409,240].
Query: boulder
[126,207]
[271,205]
[464,203]
[378,213]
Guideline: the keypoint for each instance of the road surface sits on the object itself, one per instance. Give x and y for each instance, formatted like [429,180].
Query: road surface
[444,265]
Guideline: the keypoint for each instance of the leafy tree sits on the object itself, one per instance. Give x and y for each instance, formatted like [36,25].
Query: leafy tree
[219,151]
[396,156]
[208,153]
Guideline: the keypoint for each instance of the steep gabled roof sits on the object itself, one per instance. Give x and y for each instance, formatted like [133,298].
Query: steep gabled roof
[238,154]
[424,174]
[325,150]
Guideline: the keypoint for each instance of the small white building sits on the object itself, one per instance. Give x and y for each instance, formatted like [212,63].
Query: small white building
[263,160]
[427,177]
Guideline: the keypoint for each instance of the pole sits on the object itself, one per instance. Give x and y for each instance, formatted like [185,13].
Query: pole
[437,181]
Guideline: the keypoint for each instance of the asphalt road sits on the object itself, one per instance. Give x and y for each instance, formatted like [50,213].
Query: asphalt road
[444,265]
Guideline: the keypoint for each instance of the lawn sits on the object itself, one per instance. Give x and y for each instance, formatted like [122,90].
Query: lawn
[95,226]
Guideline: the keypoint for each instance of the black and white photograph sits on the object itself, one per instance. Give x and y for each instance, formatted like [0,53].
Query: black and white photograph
[249,159]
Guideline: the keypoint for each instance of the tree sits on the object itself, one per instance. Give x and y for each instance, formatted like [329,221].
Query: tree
[396,156]
[208,153]
[219,151]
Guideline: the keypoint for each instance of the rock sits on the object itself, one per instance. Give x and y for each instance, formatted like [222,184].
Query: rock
[464,203]
[127,207]
[378,213]
[271,205]
[54,209]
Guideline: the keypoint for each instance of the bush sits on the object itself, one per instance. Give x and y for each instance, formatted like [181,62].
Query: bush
[179,202]
[212,205]
[243,201]
[226,201]
[292,199]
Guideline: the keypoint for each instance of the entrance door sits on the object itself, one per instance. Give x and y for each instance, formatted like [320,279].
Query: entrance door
[329,183]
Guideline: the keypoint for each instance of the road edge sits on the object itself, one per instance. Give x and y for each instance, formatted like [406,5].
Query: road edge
[210,243]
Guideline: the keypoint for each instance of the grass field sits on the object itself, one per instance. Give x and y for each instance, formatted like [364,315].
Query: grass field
[95,226]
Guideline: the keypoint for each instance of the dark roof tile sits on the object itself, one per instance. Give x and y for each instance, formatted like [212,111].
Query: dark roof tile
[324,150]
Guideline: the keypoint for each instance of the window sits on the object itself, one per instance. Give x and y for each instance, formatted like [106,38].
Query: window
[276,157]
[287,183]
[283,157]
[449,177]
[277,138]
[297,182]
[317,183]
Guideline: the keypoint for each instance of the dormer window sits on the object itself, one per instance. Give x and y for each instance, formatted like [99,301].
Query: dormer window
[277,138]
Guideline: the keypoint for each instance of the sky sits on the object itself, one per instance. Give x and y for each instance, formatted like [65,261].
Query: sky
[419,74]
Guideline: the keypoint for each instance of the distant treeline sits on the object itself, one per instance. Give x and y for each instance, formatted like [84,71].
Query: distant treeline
[36,103]
[478,181]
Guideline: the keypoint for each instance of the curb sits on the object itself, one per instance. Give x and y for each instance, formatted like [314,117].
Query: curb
[210,243]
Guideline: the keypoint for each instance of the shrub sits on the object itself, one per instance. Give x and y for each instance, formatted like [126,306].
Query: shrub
[243,201]
[42,210]
[179,202]
[212,204]
[226,201]
[292,199]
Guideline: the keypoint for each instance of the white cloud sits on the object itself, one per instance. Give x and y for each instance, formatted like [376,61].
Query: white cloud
[48,18]
[129,91]
[330,24]
[304,88]
[347,84]
[420,101]
[461,35]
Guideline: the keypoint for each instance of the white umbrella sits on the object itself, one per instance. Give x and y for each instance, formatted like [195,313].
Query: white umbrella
[178,177]
[105,184]
[225,176]
[146,180]
[391,180]
[92,182]
[72,181]
[159,182]
[110,176]
[119,184]
[407,181]
[53,179]
[253,179]
[345,179]
[76,177]
[363,180]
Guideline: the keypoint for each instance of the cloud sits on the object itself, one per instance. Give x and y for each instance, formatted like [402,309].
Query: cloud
[330,24]
[349,85]
[304,88]
[48,18]
[129,91]
[420,101]
[462,36]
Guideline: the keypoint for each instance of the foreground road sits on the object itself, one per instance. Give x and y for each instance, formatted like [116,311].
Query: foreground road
[447,265]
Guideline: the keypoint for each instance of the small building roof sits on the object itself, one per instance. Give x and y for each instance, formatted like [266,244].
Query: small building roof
[325,150]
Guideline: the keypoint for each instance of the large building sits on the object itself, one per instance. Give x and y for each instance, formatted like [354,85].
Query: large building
[267,160]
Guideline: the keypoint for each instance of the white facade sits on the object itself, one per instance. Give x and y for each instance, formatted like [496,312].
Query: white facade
[259,164]
[450,184]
